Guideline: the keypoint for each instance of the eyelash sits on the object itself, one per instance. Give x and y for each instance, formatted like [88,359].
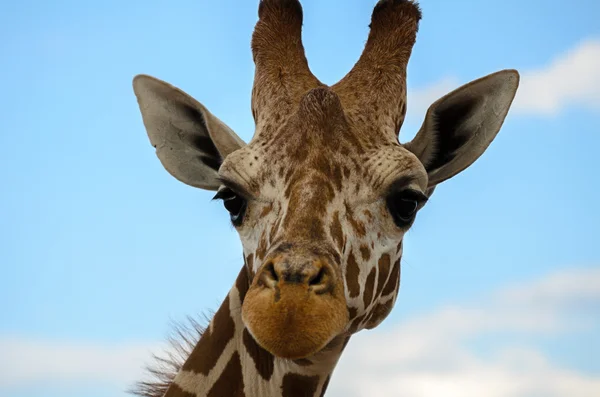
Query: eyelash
[403,206]
[234,203]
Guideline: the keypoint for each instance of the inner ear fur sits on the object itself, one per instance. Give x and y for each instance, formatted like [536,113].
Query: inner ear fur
[190,142]
[460,126]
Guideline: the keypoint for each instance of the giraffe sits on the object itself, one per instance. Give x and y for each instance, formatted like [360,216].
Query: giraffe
[321,198]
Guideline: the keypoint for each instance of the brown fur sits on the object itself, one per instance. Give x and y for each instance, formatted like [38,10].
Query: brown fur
[282,75]
[384,273]
[352,273]
[357,226]
[336,231]
[231,382]
[210,347]
[365,252]
[289,319]
[299,385]
[316,176]
[374,91]
[310,188]
[369,288]
[263,360]
[261,250]
[379,313]
[357,322]
[393,280]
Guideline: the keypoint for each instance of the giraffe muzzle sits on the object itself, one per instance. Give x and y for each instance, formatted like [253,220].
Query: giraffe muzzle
[294,308]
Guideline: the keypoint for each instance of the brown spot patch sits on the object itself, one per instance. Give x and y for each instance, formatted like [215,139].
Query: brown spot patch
[336,231]
[266,210]
[250,261]
[315,229]
[303,362]
[369,288]
[336,177]
[263,360]
[295,385]
[261,250]
[274,230]
[379,313]
[352,272]
[242,283]
[359,227]
[357,321]
[352,313]
[288,176]
[211,345]
[368,319]
[346,172]
[384,272]
[365,252]
[308,199]
[231,381]
[393,281]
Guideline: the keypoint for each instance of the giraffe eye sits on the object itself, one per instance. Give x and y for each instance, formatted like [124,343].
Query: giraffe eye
[234,203]
[404,205]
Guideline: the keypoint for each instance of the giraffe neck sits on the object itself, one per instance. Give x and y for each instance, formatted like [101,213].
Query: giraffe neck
[227,361]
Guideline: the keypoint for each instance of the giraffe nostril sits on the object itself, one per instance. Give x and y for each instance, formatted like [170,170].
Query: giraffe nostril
[270,271]
[280,273]
[317,278]
[268,276]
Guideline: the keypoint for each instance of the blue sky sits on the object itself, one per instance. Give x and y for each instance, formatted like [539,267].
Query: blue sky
[100,248]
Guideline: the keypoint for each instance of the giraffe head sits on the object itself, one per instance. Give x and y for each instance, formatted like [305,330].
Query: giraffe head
[324,192]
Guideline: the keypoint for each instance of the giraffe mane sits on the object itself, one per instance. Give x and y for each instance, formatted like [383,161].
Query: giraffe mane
[182,339]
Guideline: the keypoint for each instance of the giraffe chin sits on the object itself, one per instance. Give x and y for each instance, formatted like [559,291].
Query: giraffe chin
[292,321]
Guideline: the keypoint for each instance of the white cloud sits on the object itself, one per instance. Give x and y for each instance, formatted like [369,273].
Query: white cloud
[52,363]
[431,355]
[571,79]
[565,288]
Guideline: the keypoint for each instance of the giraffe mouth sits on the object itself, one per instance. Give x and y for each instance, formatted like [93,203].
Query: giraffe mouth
[295,314]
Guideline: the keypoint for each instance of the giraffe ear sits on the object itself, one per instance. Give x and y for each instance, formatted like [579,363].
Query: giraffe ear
[190,142]
[460,126]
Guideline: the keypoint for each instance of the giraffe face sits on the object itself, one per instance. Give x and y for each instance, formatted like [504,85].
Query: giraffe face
[324,192]
[321,213]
